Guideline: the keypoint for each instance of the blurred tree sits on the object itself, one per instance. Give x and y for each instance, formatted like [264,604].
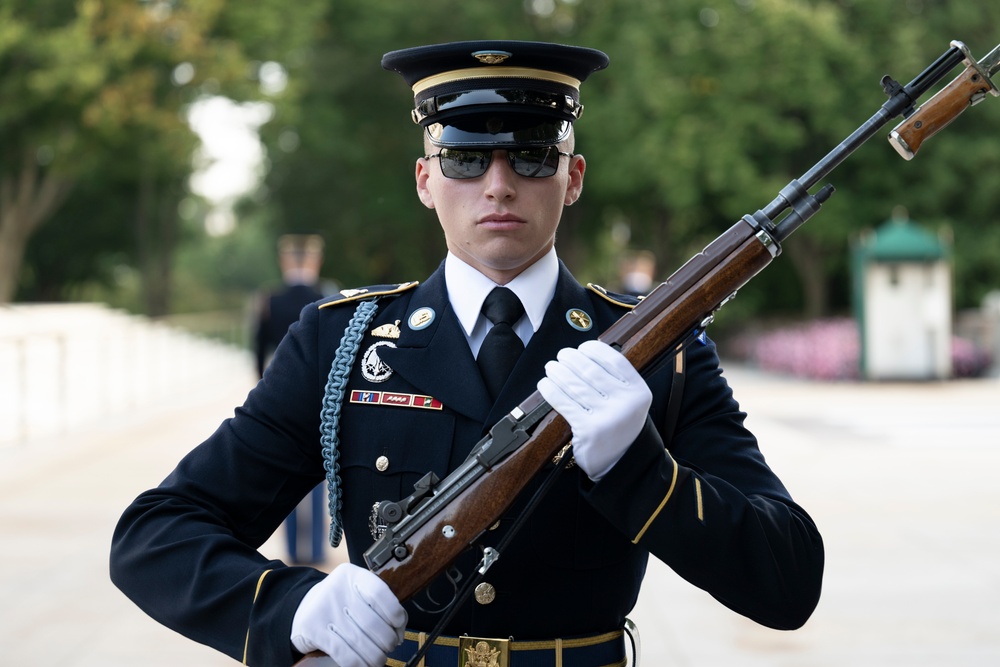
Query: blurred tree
[95,90]
[711,108]
[342,161]
[708,109]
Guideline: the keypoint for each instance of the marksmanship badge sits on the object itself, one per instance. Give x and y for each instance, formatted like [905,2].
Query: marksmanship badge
[376,526]
[373,368]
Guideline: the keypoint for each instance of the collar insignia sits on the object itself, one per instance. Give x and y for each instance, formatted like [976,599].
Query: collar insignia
[421,318]
[579,320]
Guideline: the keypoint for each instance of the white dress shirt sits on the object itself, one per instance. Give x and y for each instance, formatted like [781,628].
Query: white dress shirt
[467,289]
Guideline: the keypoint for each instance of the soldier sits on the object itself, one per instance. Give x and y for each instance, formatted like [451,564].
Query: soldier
[661,467]
[300,257]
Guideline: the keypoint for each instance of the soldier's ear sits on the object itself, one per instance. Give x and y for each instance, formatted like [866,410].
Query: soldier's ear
[577,167]
[422,173]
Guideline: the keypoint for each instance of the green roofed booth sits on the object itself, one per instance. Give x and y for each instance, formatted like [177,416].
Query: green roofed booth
[903,302]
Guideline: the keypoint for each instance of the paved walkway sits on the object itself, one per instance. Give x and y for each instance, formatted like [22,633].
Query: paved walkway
[900,478]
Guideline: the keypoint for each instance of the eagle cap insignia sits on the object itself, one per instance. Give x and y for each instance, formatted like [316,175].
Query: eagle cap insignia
[491,57]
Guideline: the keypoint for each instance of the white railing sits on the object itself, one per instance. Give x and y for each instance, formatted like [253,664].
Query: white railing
[63,366]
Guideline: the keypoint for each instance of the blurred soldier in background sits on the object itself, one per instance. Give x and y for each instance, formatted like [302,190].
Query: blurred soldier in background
[637,271]
[300,257]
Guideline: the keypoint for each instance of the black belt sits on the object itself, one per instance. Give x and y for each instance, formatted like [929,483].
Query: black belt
[604,650]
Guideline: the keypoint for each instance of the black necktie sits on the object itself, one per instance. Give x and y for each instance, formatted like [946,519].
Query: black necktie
[502,346]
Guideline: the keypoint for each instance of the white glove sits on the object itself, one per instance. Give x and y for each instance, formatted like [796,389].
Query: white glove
[352,616]
[602,398]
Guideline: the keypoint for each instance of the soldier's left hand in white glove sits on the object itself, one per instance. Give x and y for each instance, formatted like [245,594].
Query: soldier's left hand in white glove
[602,398]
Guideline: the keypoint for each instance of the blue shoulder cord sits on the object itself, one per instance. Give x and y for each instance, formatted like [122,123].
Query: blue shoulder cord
[333,398]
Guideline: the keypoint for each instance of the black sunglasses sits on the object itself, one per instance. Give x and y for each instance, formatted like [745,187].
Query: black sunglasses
[529,162]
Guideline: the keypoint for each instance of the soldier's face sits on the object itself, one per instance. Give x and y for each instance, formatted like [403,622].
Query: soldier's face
[500,223]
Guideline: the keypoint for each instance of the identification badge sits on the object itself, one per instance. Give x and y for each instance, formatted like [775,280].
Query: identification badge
[373,368]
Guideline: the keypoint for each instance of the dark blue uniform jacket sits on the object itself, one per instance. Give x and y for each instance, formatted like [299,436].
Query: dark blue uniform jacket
[699,497]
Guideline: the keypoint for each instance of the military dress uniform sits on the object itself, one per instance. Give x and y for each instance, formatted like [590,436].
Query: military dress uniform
[692,490]
[698,494]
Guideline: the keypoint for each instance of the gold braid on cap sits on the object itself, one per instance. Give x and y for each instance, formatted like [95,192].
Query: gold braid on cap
[494,73]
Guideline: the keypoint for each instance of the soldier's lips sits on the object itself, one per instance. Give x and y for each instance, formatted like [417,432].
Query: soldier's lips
[500,222]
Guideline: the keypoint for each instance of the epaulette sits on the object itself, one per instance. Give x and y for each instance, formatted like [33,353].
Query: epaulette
[624,300]
[360,293]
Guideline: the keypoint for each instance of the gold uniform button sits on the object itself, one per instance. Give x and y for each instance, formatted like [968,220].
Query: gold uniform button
[485,593]
[382,463]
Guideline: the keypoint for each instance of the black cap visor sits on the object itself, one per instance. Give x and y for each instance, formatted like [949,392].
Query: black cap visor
[498,131]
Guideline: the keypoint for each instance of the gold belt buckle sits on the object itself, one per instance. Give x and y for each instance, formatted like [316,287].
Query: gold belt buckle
[483,652]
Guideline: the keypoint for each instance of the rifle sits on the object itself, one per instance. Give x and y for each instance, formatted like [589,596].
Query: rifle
[428,530]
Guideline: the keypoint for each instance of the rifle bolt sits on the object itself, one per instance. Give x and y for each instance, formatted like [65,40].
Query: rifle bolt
[448,531]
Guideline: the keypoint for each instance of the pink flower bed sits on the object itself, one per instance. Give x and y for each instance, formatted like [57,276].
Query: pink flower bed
[831,350]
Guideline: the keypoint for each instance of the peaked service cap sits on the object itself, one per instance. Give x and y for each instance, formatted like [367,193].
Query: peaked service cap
[501,94]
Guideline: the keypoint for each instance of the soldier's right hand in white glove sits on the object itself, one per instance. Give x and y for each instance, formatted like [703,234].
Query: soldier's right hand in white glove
[352,616]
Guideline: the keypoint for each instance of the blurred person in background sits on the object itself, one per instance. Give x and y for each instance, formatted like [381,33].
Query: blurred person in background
[300,257]
[637,272]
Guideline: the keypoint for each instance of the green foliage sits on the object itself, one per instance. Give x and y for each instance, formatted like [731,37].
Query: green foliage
[704,115]
[95,92]
[342,161]
[706,112]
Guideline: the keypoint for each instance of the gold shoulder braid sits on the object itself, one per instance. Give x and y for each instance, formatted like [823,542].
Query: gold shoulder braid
[617,299]
[356,294]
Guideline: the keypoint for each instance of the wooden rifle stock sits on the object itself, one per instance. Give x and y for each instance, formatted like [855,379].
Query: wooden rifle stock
[655,327]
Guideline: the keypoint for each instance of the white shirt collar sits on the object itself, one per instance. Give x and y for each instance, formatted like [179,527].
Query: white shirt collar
[467,289]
